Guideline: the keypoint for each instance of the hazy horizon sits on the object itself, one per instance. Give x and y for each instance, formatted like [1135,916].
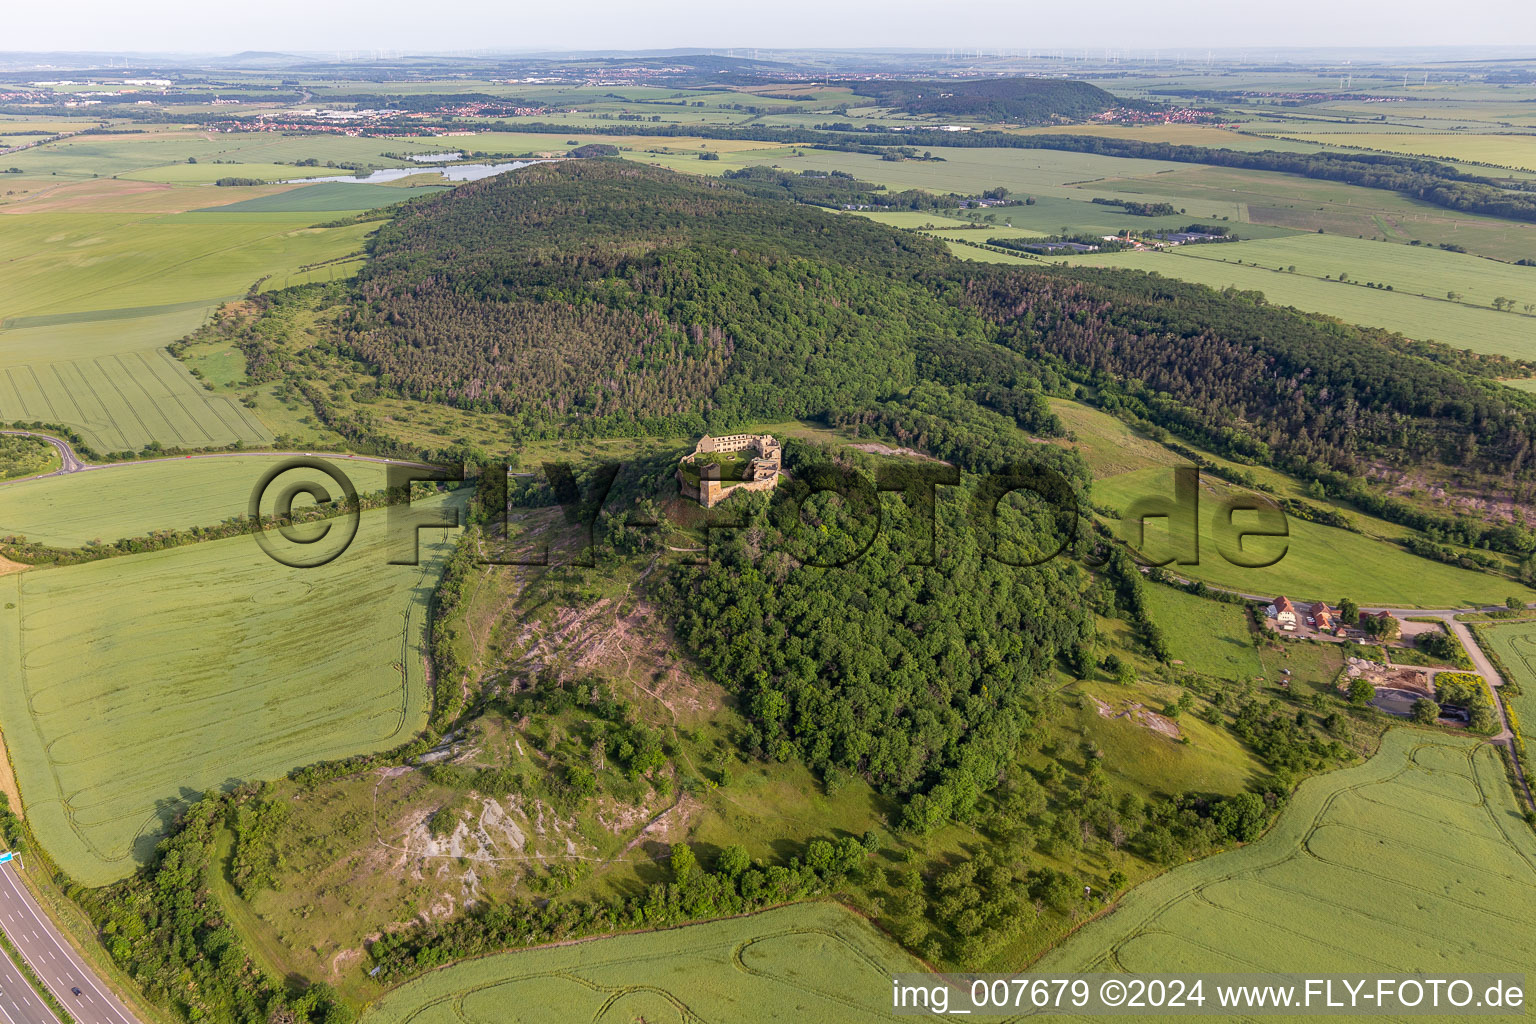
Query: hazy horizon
[175,26]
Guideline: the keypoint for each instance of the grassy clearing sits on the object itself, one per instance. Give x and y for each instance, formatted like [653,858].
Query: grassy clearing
[814,963]
[1108,444]
[133,684]
[1515,644]
[1415,859]
[132,499]
[1146,763]
[1319,561]
[1207,636]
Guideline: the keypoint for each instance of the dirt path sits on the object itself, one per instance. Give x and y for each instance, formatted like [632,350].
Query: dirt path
[8,780]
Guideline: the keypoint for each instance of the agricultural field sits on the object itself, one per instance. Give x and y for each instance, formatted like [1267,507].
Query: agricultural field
[327,197]
[1515,644]
[133,684]
[133,499]
[1414,860]
[815,963]
[89,301]
[1319,561]
[1418,305]
[1307,204]
[1517,150]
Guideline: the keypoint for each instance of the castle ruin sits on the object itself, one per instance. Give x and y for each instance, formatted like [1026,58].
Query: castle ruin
[761,473]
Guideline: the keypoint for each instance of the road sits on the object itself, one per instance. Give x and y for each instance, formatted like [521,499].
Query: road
[70,462]
[53,960]
[18,1003]
[1505,736]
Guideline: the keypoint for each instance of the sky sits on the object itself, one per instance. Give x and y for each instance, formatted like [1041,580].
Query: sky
[221,26]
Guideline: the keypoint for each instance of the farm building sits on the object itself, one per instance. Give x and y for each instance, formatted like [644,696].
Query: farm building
[1283,612]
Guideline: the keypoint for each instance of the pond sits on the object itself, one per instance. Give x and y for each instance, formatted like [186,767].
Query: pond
[457,172]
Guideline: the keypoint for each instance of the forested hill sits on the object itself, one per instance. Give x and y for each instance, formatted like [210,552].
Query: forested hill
[1035,100]
[600,295]
[1258,382]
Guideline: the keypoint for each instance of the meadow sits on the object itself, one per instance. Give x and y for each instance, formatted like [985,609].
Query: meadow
[133,684]
[1320,562]
[1416,307]
[1417,860]
[1208,636]
[133,499]
[815,963]
[1515,644]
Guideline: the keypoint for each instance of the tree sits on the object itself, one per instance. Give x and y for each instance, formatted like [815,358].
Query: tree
[1241,817]
[683,862]
[1361,693]
[1383,626]
[1514,604]
[1349,611]
[1425,711]
[733,861]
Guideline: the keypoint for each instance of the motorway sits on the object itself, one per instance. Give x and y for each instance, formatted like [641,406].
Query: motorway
[53,960]
[18,1003]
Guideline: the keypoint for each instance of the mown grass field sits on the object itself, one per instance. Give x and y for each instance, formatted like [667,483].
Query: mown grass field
[132,499]
[131,685]
[815,963]
[1207,636]
[1320,562]
[1420,277]
[1417,860]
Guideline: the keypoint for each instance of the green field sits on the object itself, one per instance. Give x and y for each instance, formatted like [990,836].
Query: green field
[326,197]
[1515,644]
[1415,861]
[1320,562]
[1420,277]
[815,963]
[1108,444]
[1207,636]
[1507,150]
[90,299]
[132,499]
[133,684]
